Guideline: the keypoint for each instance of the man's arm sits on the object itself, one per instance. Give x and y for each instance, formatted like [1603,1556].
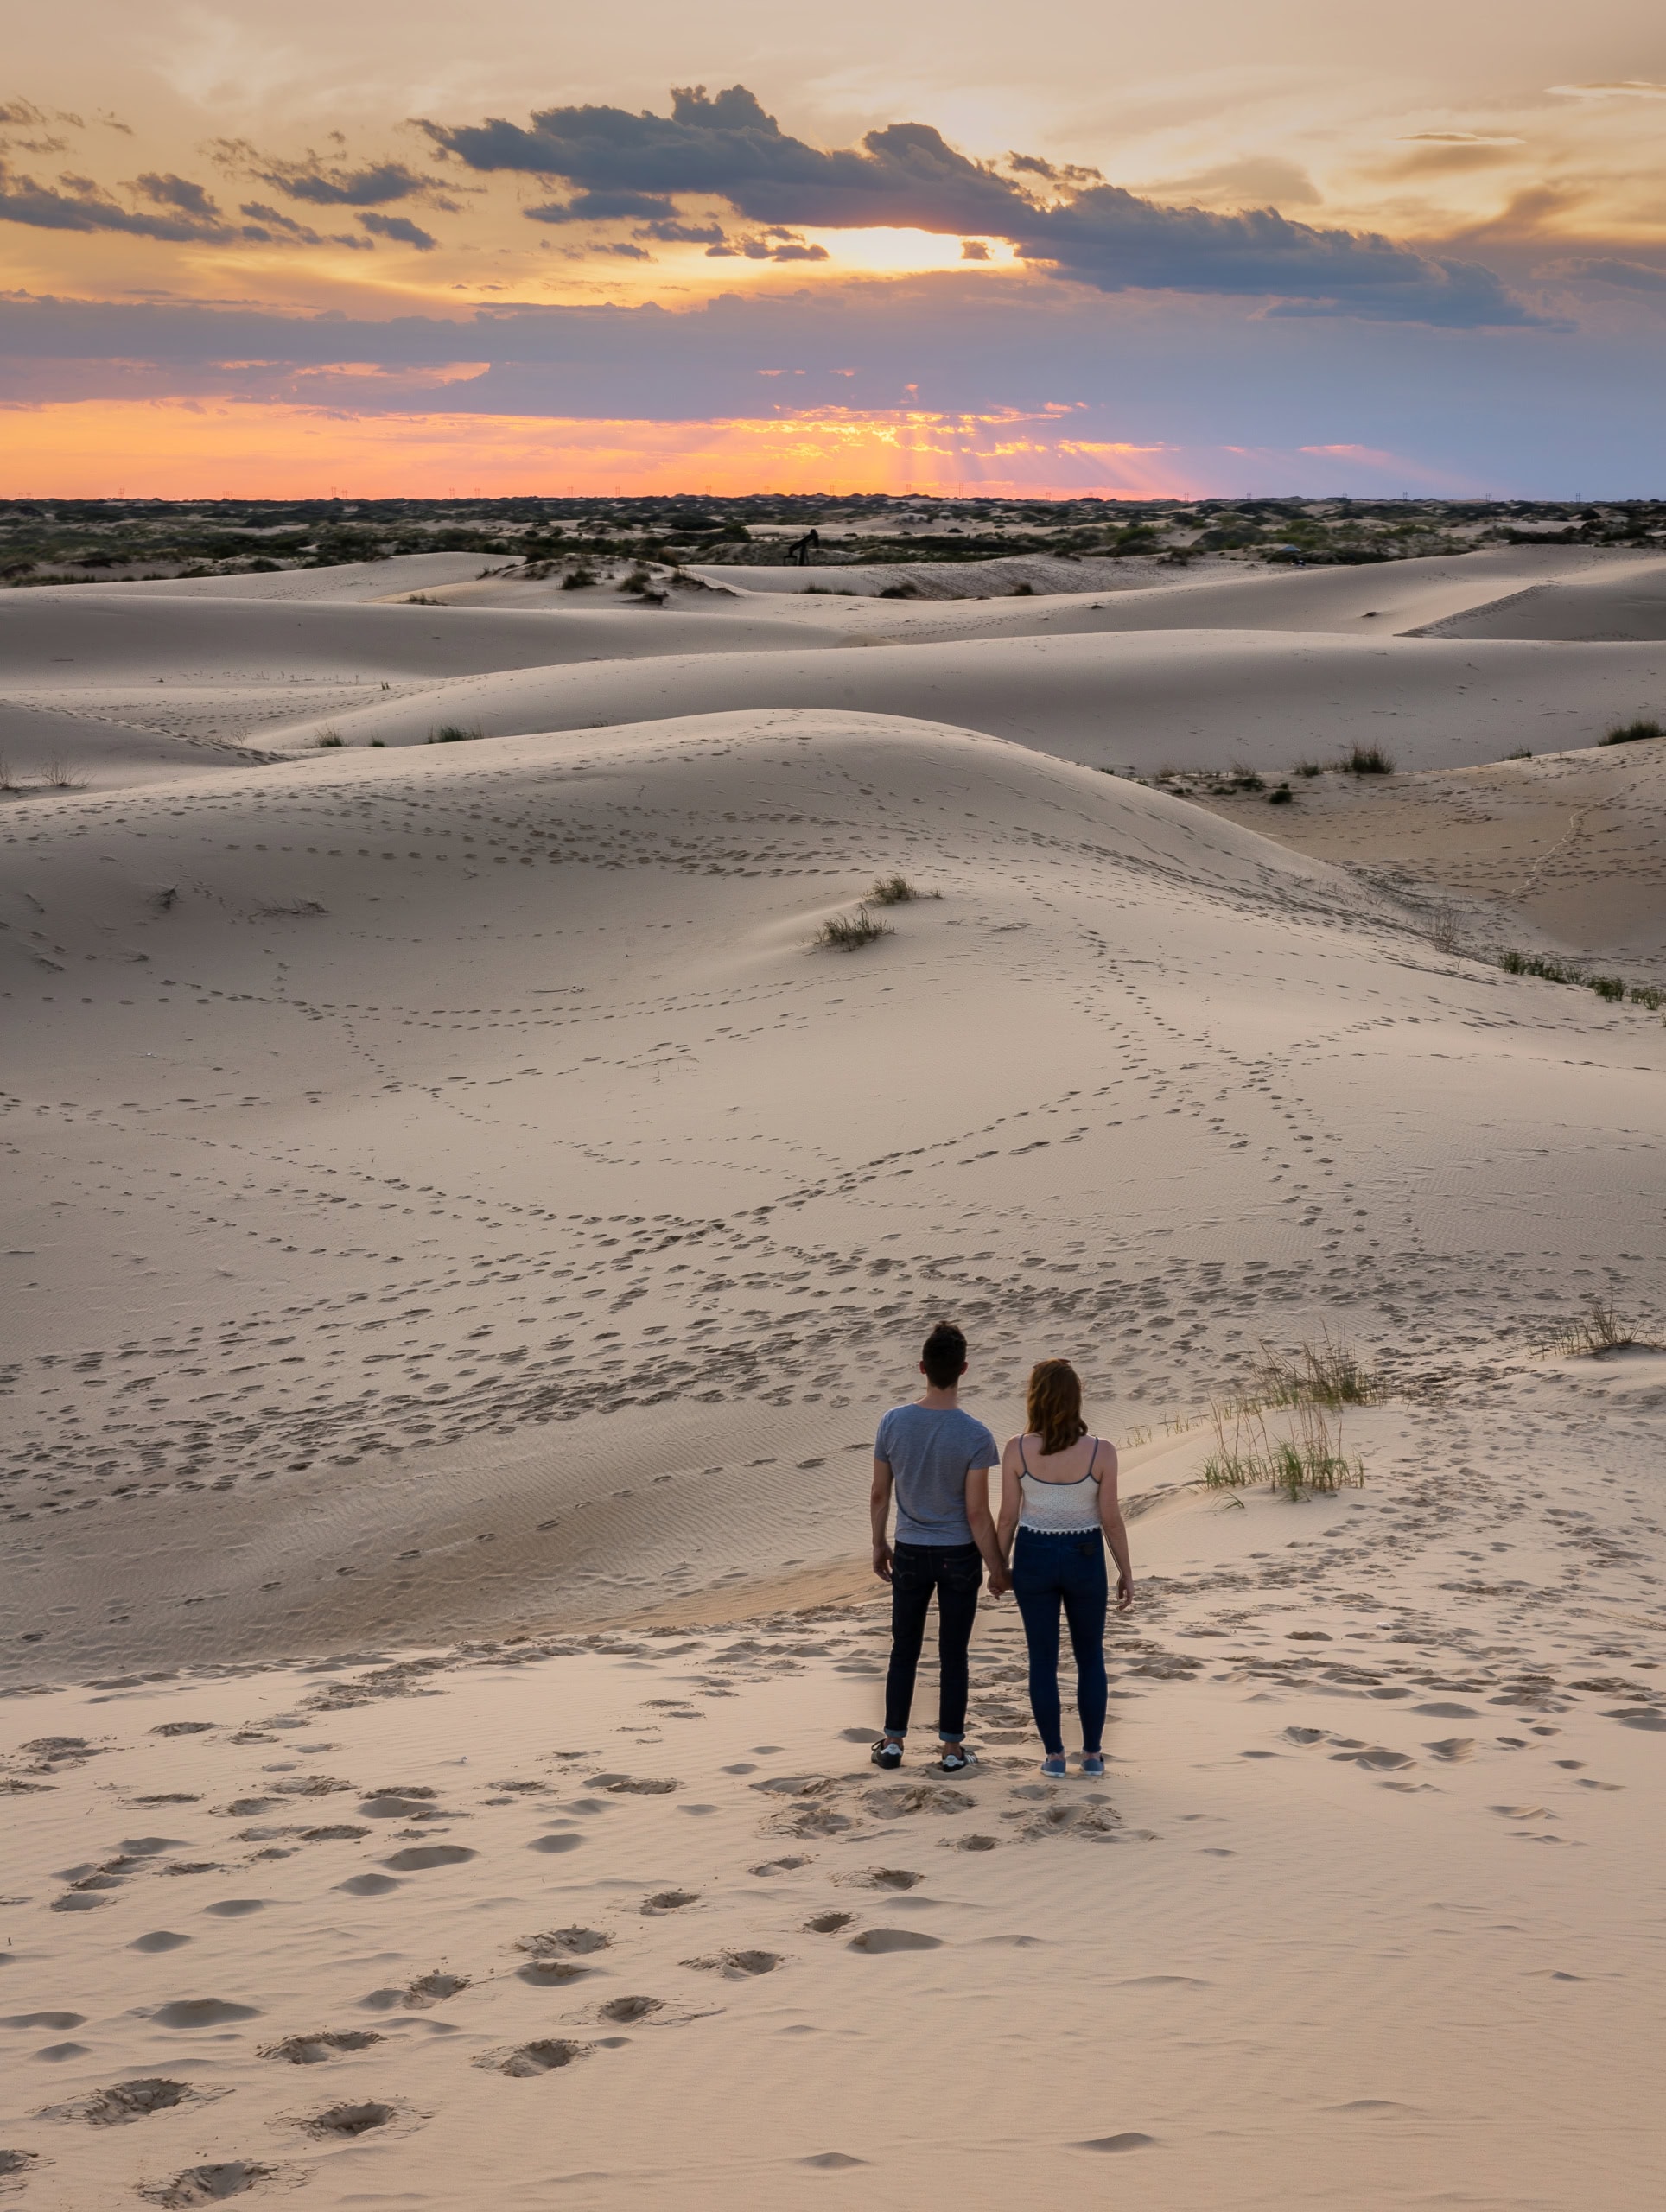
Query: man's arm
[983,1527]
[879,1504]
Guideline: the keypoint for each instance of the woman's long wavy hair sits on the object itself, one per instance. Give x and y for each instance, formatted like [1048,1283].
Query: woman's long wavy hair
[1052,1408]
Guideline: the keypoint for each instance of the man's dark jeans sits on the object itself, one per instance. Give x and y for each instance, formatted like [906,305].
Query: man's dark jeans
[955,1573]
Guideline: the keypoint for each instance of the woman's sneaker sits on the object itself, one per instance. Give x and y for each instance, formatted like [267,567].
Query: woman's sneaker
[886,1752]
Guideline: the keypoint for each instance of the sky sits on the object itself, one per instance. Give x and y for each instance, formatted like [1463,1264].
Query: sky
[1075,247]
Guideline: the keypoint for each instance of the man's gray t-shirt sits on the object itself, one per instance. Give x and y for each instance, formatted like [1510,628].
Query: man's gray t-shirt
[929,1450]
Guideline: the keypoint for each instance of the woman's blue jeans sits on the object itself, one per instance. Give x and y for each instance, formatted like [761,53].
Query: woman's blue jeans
[1063,1568]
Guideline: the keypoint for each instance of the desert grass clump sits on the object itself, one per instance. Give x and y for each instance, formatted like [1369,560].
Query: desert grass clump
[1328,1373]
[1649,994]
[1368,761]
[1309,1461]
[1280,795]
[1444,927]
[1633,733]
[1599,1328]
[578,580]
[62,777]
[1308,768]
[8,776]
[850,932]
[327,738]
[896,891]
[453,734]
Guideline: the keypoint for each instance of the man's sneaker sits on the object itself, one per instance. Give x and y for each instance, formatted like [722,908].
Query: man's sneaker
[956,1759]
[887,1753]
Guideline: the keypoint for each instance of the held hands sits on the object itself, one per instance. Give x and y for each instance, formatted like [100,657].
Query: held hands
[1000,1581]
[882,1561]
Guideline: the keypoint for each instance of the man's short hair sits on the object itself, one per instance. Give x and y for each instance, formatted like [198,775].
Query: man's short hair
[944,1356]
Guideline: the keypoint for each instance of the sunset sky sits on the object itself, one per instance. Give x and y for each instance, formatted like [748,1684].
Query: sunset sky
[380,248]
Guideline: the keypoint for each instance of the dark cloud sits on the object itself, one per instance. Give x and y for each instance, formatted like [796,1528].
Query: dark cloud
[170,191]
[725,146]
[1107,237]
[974,250]
[605,207]
[402,230]
[81,204]
[321,182]
[671,233]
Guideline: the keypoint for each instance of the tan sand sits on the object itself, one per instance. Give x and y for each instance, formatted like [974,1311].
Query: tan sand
[462,1237]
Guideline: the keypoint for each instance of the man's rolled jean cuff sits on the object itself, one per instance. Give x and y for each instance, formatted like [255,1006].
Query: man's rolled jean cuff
[942,1738]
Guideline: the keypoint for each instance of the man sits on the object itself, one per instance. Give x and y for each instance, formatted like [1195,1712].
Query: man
[938,1460]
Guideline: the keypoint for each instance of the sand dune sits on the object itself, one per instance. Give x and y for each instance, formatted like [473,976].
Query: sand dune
[460,1236]
[1602,606]
[1142,702]
[430,1106]
[1569,851]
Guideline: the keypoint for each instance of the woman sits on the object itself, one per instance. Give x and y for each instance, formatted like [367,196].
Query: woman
[1059,1498]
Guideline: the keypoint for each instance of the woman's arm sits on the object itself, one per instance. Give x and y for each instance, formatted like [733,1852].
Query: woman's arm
[1012,1502]
[1111,1520]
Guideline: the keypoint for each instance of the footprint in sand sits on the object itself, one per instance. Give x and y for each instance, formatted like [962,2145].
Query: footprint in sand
[317,2050]
[208,2184]
[831,2161]
[737,1966]
[553,1843]
[1453,1748]
[418,1858]
[1130,2140]
[882,1878]
[873,1939]
[350,2120]
[780,1865]
[433,1989]
[621,2010]
[573,1942]
[972,1842]
[127,2100]
[669,1900]
[532,2059]
[829,1923]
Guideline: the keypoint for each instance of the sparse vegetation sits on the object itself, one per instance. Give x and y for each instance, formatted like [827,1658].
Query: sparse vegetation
[896,891]
[1368,761]
[1633,733]
[1444,927]
[1280,795]
[1598,1329]
[164,901]
[293,909]
[422,599]
[1328,1373]
[327,738]
[453,734]
[850,932]
[8,776]
[1309,1460]
[1308,768]
[1614,989]
[62,777]
[578,580]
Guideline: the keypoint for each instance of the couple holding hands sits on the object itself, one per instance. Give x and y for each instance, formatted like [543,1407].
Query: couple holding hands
[1058,1513]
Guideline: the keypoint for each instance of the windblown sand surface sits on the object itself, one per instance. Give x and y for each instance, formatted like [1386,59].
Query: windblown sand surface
[462,1236]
